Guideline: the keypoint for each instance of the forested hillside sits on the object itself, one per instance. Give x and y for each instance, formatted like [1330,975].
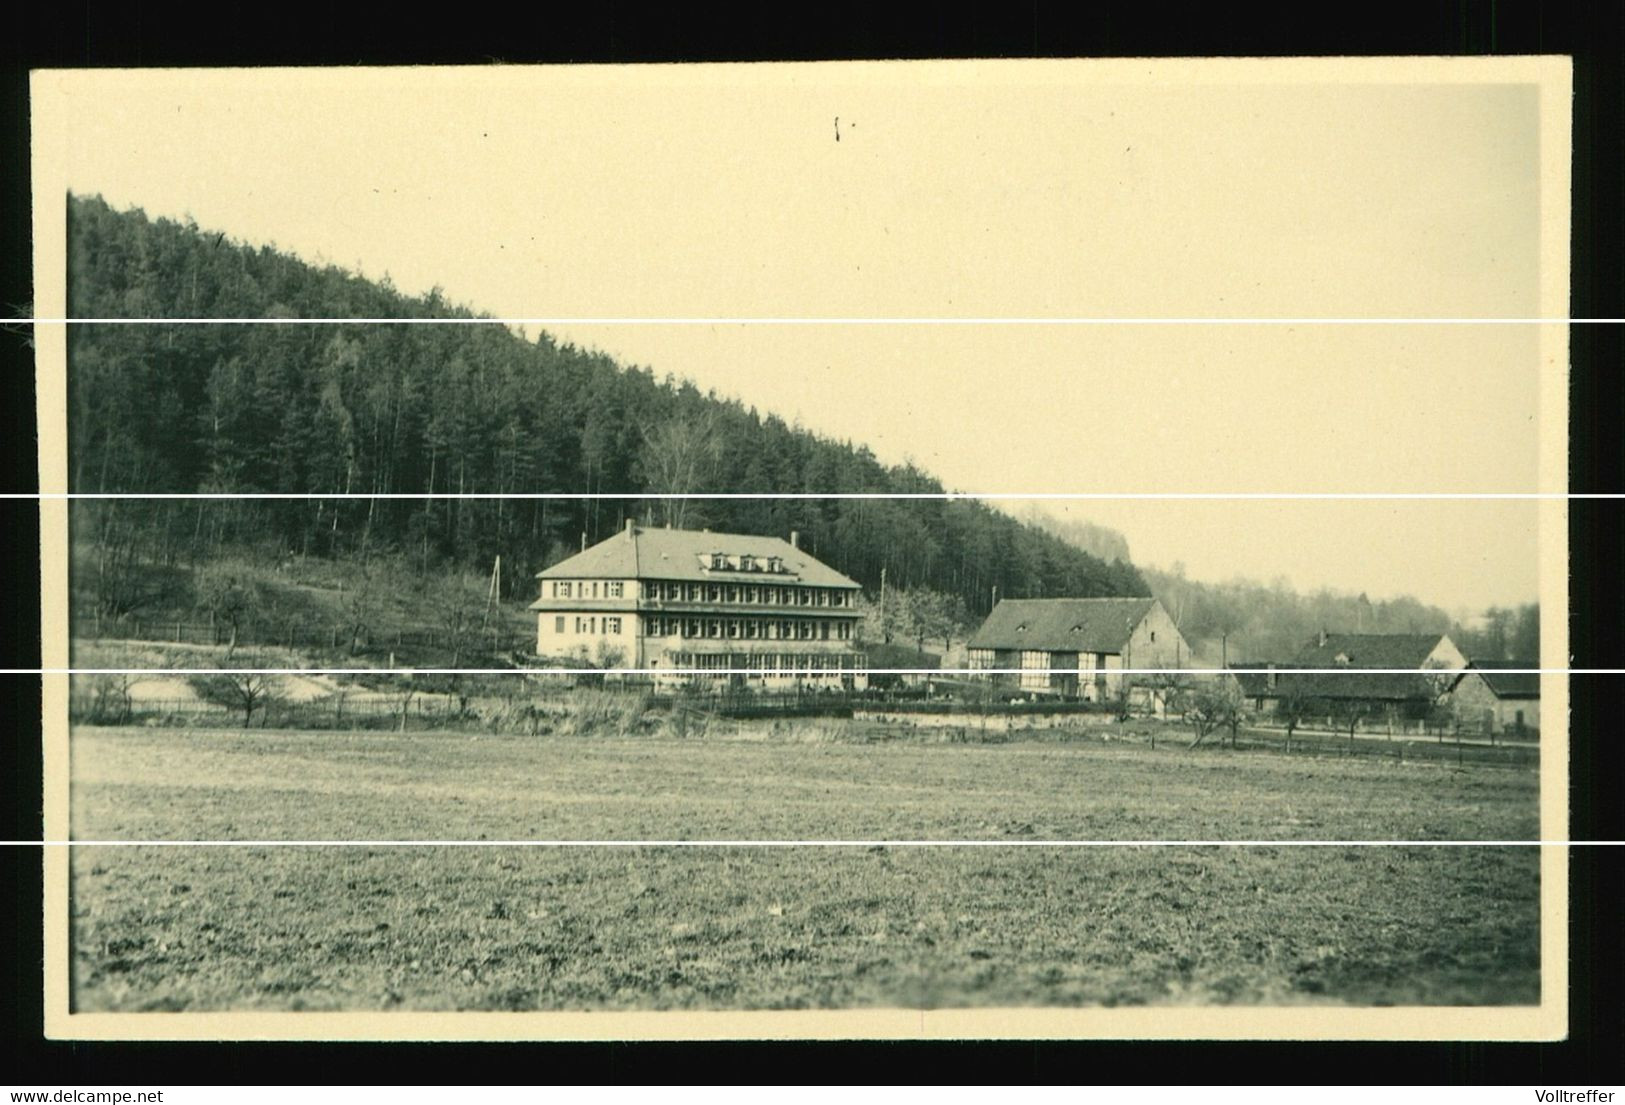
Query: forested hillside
[380,409]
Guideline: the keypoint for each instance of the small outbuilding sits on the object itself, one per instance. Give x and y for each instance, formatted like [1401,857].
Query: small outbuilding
[1494,697]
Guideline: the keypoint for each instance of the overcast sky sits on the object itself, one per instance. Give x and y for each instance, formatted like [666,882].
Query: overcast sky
[1028,190]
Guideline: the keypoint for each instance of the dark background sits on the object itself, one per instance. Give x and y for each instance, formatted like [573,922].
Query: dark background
[141,34]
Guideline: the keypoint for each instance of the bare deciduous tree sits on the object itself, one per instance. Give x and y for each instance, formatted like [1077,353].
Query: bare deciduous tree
[1349,712]
[239,690]
[104,698]
[929,614]
[229,596]
[679,457]
[1211,705]
[1292,707]
[367,597]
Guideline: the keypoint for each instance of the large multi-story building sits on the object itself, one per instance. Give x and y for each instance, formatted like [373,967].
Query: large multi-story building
[684,605]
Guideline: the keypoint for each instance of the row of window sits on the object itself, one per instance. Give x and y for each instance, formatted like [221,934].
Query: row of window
[1027,658]
[750,594]
[589,589]
[745,562]
[753,594]
[766,661]
[589,623]
[750,629]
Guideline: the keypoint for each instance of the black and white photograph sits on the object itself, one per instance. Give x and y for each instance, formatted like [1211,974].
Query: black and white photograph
[1063,549]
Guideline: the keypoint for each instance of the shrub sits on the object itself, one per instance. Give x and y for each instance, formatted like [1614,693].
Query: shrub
[100,699]
[599,711]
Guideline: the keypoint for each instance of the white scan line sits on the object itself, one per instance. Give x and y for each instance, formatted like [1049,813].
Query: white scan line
[936,496]
[746,843]
[788,320]
[677,671]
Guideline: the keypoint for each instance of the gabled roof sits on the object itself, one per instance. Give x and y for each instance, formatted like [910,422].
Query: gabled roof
[681,554]
[1369,650]
[1508,684]
[1256,682]
[1062,625]
[1253,679]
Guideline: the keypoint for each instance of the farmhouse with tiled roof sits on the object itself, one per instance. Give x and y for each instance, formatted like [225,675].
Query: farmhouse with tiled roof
[1413,672]
[1266,684]
[1077,647]
[1410,651]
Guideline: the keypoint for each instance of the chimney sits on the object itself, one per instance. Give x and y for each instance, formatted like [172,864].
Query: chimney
[1322,638]
[583,540]
[795,539]
[629,530]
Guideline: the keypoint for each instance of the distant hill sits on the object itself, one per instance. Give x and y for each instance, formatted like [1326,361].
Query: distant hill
[1092,538]
[1245,619]
[1249,620]
[409,409]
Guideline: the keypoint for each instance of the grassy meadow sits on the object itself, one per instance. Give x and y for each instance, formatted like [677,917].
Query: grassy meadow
[510,927]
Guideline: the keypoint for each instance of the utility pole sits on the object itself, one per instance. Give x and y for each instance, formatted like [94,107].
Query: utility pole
[885,619]
[493,592]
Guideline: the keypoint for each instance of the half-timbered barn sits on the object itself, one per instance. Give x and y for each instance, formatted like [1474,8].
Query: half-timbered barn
[1077,647]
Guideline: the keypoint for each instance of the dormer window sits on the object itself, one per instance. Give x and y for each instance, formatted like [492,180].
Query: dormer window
[1343,659]
[775,564]
[747,563]
[1022,628]
[719,562]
